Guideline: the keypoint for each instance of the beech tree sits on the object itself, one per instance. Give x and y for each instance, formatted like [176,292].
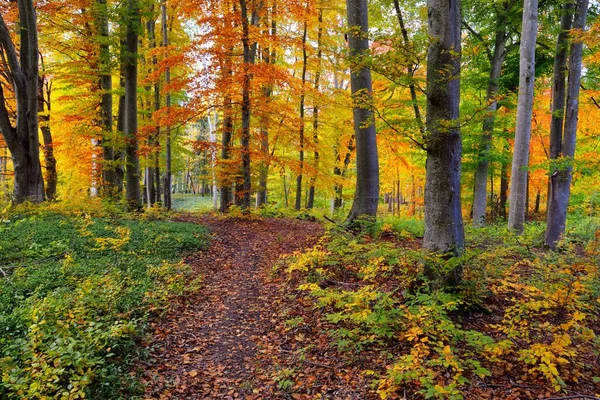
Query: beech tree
[22,72]
[496,56]
[520,163]
[563,141]
[444,231]
[366,196]
[132,189]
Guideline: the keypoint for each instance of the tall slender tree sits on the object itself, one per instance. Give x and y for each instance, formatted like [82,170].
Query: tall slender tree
[496,58]
[249,47]
[301,111]
[133,21]
[366,196]
[520,163]
[165,43]
[560,180]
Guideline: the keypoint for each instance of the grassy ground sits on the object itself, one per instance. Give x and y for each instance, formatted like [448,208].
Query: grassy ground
[75,295]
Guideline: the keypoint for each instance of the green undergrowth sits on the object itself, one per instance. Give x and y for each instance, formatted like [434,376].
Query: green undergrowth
[75,294]
[520,311]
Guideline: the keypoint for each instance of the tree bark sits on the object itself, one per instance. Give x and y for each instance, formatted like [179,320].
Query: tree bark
[45,107]
[22,139]
[109,177]
[560,183]
[366,196]
[444,231]
[504,180]
[249,56]
[483,159]
[410,70]
[520,163]
[132,168]
[168,175]
[301,114]
[311,191]
[270,58]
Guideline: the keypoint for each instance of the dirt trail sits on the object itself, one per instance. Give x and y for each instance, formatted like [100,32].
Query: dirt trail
[226,341]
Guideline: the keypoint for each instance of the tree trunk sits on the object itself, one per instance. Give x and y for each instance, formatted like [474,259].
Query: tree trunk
[168,174]
[444,231]
[520,163]
[23,140]
[109,178]
[366,196]
[132,168]
[483,161]
[504,180]
[269,58]
[410,70]
[301,114]
[311,191]
[45,107]
[249,56]
[560,183]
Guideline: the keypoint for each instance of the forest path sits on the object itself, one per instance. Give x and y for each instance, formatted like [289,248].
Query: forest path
[229,339]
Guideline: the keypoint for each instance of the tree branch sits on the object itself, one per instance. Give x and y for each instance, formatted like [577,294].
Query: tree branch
[12,59]
[480,38]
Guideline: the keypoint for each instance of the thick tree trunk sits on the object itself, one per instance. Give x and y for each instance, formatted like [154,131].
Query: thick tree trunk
[444,231]
[366,196]
[132,168]
[168,175]
[23,140]
[301,116]
[520,163]
[560,183]
[483,161]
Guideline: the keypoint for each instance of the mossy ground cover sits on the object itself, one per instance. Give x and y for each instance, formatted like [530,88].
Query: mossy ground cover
[76,292]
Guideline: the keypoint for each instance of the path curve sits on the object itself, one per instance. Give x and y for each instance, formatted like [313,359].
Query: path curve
[219,343]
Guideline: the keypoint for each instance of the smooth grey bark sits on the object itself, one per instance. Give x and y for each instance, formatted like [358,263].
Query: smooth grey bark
[366,196]
[301,116]
[315,125]
[444,230]
[22,139]
[520,162]
[168,175]
[483,158]
[45,107]
[560,181]
[132,167]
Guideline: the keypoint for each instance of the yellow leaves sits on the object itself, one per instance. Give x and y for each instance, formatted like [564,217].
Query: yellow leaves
[413,333]
[116,244]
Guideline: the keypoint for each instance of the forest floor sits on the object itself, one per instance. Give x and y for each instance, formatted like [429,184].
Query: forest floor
[233,339]
[250,333]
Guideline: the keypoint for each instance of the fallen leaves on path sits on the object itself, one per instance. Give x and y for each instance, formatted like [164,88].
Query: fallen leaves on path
[232,339]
